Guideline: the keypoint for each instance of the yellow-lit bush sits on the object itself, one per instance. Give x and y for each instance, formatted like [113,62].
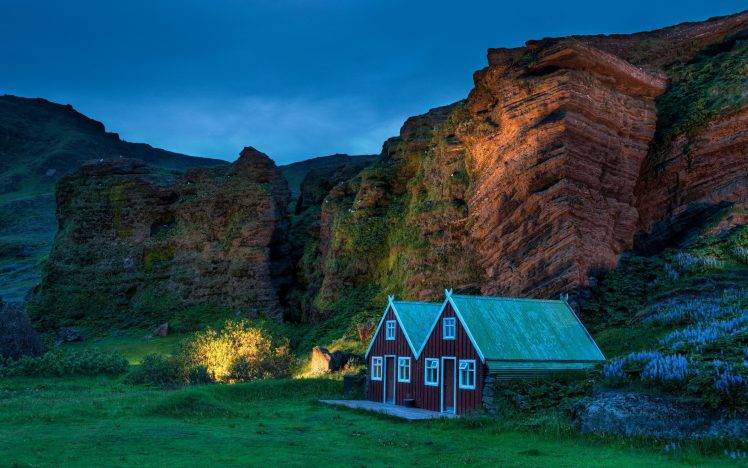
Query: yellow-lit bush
[238,352]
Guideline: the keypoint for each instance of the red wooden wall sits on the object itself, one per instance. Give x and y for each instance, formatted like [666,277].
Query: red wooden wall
[398,347]
[460,348]
[426,396]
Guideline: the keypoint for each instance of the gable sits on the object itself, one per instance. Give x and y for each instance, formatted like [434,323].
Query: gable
[412,319]
[525,329]
[461,345]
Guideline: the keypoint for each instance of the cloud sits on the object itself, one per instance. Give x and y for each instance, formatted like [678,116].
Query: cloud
[287,129]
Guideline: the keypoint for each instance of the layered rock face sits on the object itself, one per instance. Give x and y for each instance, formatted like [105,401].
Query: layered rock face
[564,153]
[152,242]
[554,172]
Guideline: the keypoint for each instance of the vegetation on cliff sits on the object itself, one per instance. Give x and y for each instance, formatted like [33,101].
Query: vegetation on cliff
[41,141]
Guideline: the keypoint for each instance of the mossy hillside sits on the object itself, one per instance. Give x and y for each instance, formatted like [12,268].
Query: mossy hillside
[128,245]
[686,304]
[711,84]
[41,141]
[397,228]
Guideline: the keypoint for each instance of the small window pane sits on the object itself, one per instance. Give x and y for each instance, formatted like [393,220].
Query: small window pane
[448,328]
[432,372]
[390,330]
[403,369]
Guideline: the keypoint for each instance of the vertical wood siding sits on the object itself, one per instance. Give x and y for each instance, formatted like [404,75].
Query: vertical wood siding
[397,347]
[461,348]
[426,396]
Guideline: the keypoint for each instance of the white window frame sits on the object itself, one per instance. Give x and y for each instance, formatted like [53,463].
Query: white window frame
[403,364]
[390,326]
[452,325]
[470,373]
[431,364]
[376,368]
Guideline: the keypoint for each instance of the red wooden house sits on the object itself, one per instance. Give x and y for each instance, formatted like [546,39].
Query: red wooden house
[441,357]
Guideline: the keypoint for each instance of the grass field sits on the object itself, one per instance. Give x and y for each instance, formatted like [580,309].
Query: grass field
[101,421]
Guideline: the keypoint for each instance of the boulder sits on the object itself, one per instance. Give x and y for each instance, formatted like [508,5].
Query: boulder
[17,337]
[68,335]
[162,330]
[323,361]
[636,414]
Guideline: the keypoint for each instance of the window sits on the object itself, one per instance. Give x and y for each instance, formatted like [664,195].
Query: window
[376,368]
[390,330]
[448,328]
[431,376]
[403,369]
[467,374]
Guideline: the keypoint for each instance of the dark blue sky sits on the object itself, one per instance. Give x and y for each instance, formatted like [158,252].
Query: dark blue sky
[293,78]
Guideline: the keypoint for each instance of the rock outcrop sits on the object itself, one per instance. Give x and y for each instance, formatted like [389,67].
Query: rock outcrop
[565,152]
[637,415]
[134,243]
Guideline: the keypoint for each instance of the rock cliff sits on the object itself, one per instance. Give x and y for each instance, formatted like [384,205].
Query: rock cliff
[135,244]
[565,153]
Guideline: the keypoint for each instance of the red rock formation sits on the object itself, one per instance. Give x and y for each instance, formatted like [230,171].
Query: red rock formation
[694,173]
[558,134]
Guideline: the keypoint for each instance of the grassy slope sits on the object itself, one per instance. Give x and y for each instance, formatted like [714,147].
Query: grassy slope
[39,142]
[103,422]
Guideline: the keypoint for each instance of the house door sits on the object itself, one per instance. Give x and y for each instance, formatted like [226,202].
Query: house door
[389,380]
[448,393]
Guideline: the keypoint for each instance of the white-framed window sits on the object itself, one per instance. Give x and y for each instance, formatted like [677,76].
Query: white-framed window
[467,374]
[431,372]
[403,369]
[448,328]
[376,368]
[389,330]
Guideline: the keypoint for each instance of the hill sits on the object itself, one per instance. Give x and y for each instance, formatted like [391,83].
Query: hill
[295,172]
[41,141]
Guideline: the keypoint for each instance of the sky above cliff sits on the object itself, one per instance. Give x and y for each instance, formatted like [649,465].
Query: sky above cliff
[295,79]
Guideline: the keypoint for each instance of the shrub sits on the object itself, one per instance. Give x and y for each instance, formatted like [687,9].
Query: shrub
[59,363]
[17,337]
[666,370]
[698,335]
[741,253]
[167,371]
[238,352]
[692,310]
[158,370]
[541,393]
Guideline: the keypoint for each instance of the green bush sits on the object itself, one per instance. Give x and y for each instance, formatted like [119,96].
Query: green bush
[238,352]
[167,371]
[534,395]
[59,363]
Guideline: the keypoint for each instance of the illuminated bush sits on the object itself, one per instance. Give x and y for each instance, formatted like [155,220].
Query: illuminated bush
[238,352]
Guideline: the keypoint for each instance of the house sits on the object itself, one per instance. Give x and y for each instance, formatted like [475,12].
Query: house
[445,357]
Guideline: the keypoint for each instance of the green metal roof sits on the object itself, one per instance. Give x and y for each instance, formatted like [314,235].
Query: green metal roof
[417,318]
[508,329]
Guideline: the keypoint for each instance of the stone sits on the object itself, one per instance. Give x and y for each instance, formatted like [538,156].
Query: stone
[69,335]
[17,336]
[323,361]
[162,330]
[319,363]
[635,414]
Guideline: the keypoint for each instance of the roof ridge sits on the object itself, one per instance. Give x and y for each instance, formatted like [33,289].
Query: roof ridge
[417,302]
[507,298]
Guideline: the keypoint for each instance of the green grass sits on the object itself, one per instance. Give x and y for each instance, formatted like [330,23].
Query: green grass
[133,344]
[99,421]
